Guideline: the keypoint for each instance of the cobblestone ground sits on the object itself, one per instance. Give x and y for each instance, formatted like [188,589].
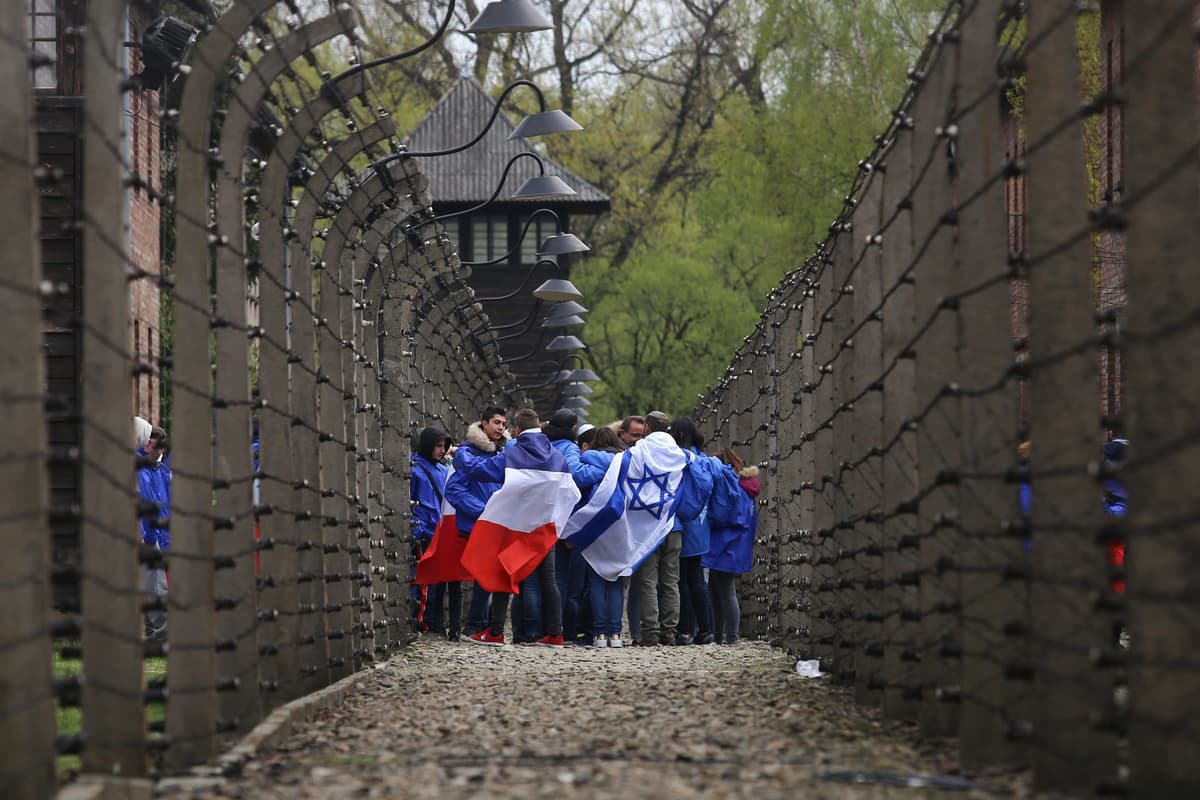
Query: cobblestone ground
[457,720]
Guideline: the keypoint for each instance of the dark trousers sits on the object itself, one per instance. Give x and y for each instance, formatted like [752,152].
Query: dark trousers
[434,597]
[727,614]
[695,614]
[577,609]
[497,612]
[541,601]
[477,616]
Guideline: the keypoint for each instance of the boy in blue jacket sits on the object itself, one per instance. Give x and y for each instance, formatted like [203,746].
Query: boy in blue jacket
[427,488]
[468,491]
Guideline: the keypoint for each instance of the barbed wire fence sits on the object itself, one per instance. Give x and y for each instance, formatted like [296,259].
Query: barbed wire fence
[291,199]
[956,310]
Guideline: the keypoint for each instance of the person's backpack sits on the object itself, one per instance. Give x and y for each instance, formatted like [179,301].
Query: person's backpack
[695,488]
[726,496]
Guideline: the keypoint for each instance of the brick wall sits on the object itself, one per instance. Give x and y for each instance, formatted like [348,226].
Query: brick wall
[144,326]
[1111,256]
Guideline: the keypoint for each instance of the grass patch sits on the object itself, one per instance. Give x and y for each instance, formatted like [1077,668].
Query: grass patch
[69,720]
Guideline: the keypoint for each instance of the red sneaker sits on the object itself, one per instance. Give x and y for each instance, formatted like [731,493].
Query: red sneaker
[550,641]
[488,638]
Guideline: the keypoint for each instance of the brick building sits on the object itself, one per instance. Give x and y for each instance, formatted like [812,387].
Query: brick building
[59,87]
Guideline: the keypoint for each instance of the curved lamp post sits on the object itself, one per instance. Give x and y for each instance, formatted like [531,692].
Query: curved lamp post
[556,244]
[555,290]
[539,187]
[541,123]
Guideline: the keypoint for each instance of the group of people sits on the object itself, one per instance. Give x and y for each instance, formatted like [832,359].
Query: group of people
[587,525]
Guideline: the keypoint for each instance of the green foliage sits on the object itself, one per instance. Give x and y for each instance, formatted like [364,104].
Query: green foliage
[768,176]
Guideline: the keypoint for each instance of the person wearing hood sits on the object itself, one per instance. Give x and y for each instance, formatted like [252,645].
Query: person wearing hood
[427,489]
[731,550]
[694,608]
[656,579]
[468,490]
[154,495]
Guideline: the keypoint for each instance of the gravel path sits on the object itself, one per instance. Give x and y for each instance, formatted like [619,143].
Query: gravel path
[456,720]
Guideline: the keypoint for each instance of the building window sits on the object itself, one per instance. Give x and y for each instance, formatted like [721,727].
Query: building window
[539,229]
[450,228]
[489,237]
[43,39]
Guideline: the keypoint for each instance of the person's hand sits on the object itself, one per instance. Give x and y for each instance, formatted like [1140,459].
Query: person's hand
[451,450]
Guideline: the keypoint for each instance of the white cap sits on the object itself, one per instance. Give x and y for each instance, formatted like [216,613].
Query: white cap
[583,428]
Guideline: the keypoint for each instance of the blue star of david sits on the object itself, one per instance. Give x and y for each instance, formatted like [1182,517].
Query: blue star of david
[653,505]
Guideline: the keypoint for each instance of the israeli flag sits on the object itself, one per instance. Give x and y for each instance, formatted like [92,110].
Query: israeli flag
[633,508]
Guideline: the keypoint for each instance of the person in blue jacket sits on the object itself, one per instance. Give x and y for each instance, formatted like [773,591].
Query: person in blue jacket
[569,566]
[154,494]
[605,598]
[427,488]
[468,491]
[694,609]
[731,550]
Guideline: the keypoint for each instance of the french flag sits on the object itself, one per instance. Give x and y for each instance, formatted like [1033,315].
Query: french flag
[633,508]
[442,560]
[521,521]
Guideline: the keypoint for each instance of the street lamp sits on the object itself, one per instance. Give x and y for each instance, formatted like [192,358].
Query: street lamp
[541,123]
[509,16]
[539,187]
[555,290]
[576,390]
[564,343]
[556,244]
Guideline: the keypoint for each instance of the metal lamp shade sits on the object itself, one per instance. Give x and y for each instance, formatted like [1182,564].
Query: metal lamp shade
[576,389]
[561,343]
[558,321]
[544,122]
[543,187]
[582,374]
[567,308]
[560,244]
[562,375]
[509,16]
[576,403]
[557,290]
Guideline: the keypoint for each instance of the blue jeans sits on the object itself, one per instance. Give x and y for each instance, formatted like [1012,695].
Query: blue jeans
[607,601]
[529,606]
[541,603]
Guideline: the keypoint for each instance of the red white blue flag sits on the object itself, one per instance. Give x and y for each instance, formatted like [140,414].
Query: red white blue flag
[521,521]
[442,560]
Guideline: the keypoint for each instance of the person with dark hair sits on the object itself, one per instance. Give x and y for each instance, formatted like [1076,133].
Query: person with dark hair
[731,550]
[632,430]
[468,493]
[695,618]
[569,568]
[584,435]
[520,524]
[427,491]
[656,581]
[605,598]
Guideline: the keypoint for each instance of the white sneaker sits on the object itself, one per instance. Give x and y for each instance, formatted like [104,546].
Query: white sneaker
[600,641]
[615,641]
